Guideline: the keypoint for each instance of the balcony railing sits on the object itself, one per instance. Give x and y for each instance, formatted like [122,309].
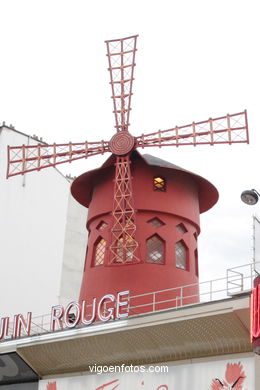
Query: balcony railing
[238,281]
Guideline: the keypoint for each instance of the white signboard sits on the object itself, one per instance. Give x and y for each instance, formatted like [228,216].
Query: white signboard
[236,374]
[257,243]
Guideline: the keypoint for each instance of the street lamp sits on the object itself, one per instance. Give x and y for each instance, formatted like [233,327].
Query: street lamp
[250,197]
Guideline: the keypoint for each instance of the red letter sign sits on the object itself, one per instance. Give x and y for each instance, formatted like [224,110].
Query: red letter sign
[255,313]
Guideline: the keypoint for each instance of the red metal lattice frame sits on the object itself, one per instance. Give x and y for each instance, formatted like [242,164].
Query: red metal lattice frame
[123,248]
[121,58]
[28,158]
[227,129]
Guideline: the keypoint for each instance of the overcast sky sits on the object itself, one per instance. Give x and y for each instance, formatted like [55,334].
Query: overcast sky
[195,60]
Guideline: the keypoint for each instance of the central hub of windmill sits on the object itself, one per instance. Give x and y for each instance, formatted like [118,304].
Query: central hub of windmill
[121,143]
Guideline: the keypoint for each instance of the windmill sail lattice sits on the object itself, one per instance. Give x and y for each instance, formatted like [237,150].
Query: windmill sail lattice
[28,158]
[227,129]
[121,58]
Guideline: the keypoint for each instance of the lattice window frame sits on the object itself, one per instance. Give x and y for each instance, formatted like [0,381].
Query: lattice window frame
[99,250]
[156,222]
[101,225]
[181,249]
[159,183]
[181,228]
[149,246]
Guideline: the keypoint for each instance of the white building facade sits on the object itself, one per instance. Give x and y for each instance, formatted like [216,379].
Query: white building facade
[42,236]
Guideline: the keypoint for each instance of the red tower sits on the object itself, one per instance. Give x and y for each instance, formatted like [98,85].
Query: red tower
[168,201]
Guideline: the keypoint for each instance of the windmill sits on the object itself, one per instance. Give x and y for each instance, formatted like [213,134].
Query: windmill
[121,53]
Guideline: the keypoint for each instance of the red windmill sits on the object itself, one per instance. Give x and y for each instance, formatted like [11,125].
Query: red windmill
[123,247]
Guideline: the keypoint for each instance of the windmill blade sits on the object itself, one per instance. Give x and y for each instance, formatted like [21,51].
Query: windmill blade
[121,58]
[28,158]
[227,129]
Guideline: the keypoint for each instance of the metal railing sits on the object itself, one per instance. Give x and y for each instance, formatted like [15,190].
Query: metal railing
[238,280]
[241,278]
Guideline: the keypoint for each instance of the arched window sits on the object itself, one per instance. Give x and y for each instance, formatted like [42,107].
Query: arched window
[159,184]
[155,250]
[181,255]
[99,252]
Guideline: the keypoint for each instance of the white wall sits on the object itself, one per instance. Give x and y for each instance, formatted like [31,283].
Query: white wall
[33,227]
[183,375]
[74,252]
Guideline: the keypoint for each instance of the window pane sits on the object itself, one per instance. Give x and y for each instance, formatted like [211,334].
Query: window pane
[181,228]
[102,225]
[181,255]
[159,184]
[156,222]
[100,252]
[155,250]
[196,262]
